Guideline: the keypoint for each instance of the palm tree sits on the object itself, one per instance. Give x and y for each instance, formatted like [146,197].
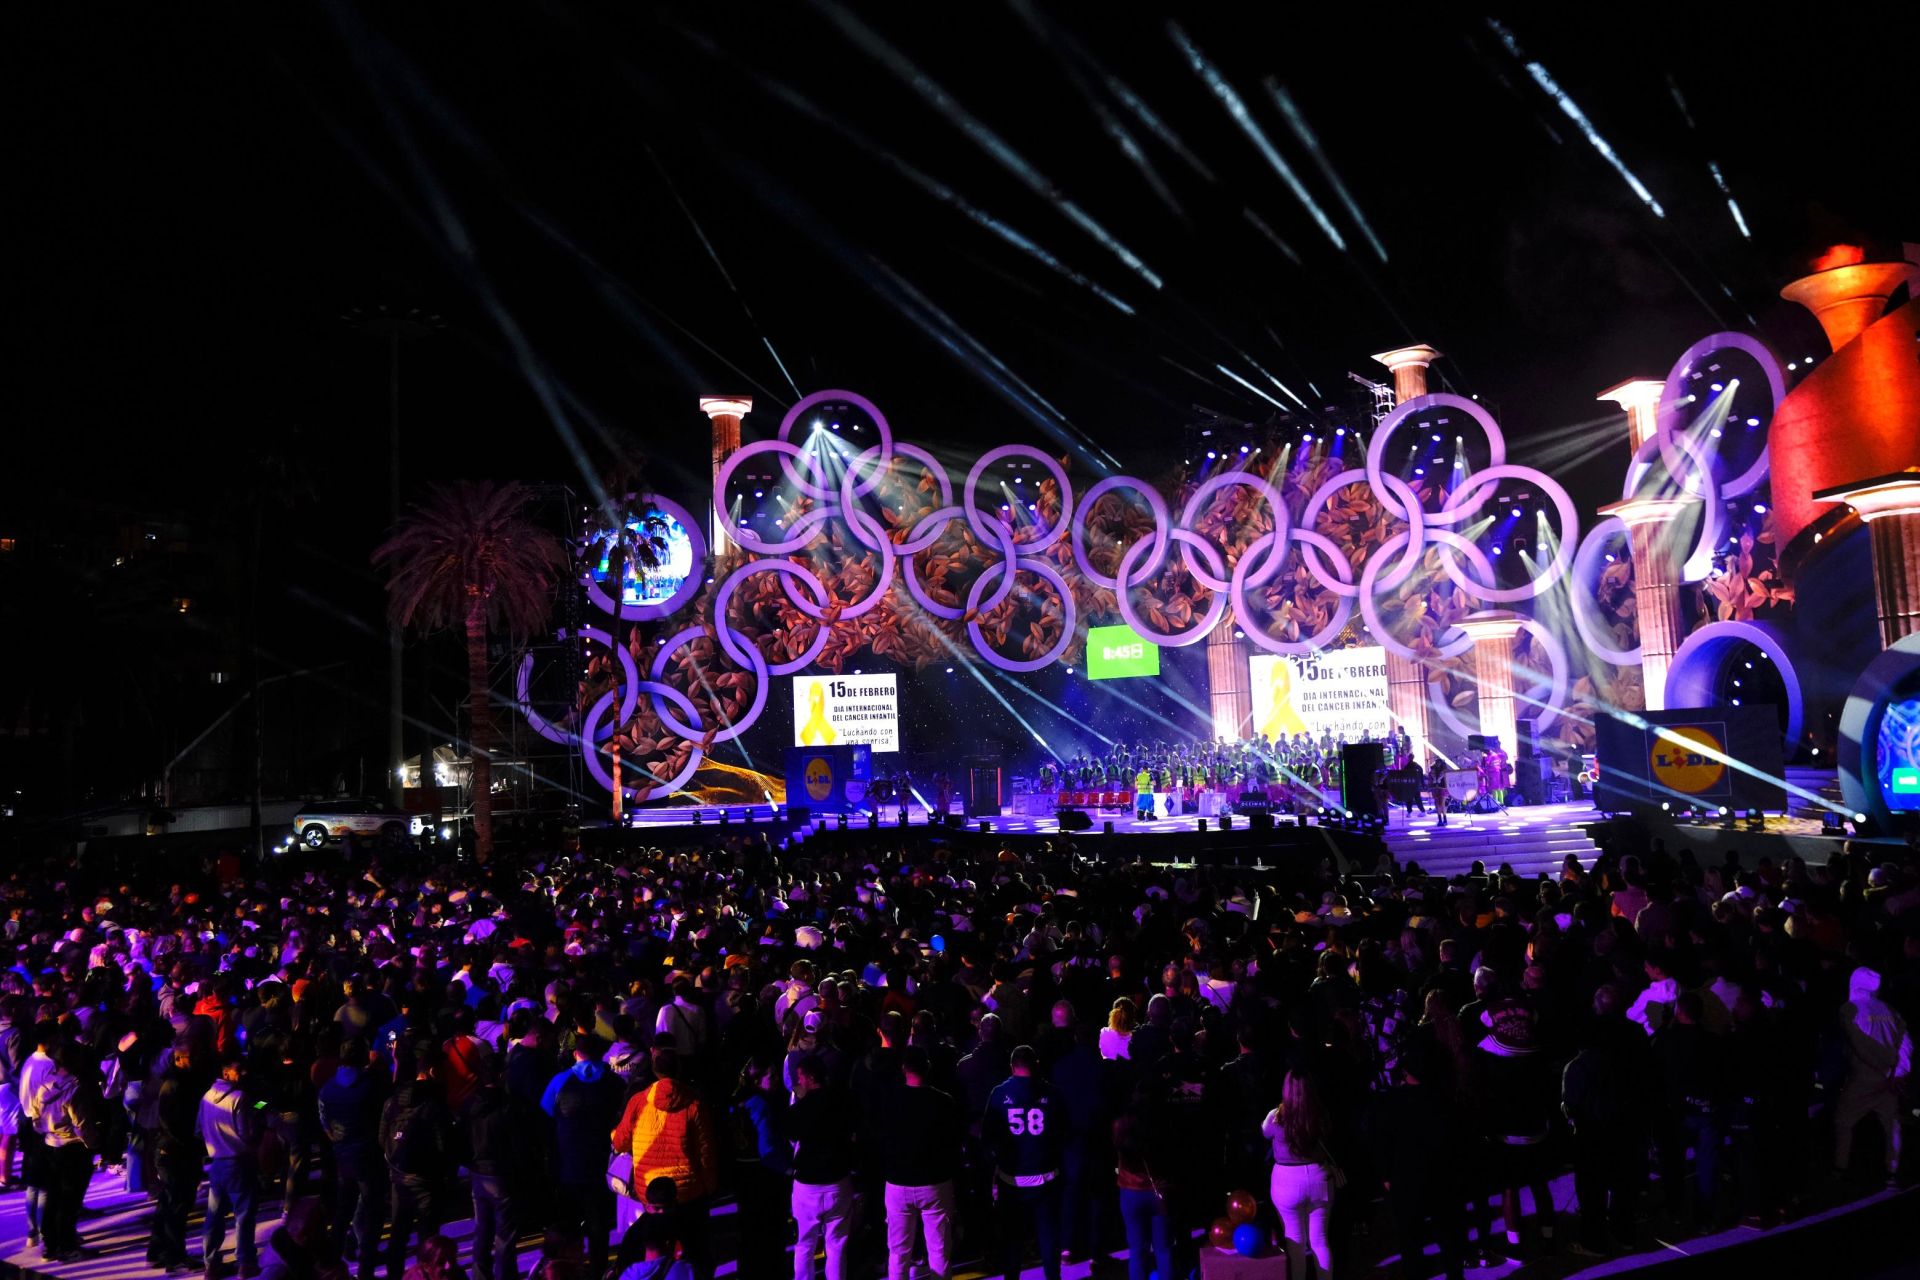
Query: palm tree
[469,557]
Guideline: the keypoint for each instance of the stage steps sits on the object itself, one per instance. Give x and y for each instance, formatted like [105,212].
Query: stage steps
[1824,783]
[1531,840]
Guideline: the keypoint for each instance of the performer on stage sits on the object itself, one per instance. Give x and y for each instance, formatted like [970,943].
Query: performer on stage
[1437,783]
[1143,794]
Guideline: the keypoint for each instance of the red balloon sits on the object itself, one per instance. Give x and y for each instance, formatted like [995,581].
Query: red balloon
[1241,1207]
[1220,1235]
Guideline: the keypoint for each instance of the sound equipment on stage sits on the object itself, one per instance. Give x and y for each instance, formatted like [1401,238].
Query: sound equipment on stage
[1074,819]
[1260,822]
[1479,742]
[1107,827]
[1200,824]
[1226,822]
[1359,761]
[954,819]
[798,813]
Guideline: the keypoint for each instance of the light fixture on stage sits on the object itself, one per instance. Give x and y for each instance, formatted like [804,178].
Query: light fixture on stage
[843,821]
[1726,817]
[1756,820]
[873,820]
[1830,823]
[696,817]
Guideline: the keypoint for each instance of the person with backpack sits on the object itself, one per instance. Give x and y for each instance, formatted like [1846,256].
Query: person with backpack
[415,1138]
[230,1135]
[584,1101]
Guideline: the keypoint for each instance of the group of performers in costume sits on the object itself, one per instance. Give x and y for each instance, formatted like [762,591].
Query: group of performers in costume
[1291,771]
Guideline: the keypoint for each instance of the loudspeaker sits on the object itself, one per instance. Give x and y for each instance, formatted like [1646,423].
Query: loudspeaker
[1226,822]
[1107,827]
[1200,824]
[1260,822]
[1358,763]
[1478,742]
[955,820]
[798,813]
[1074,820]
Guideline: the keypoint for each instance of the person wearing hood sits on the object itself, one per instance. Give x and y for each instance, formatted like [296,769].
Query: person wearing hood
[671,1135]
[230,1132]
[584,1101]
[1879,1062]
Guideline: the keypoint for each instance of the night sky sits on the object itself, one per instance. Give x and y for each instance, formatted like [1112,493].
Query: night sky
[616,211]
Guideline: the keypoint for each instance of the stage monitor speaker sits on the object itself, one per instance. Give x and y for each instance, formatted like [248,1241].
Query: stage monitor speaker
[1074,820]
[1359,762]
[955,820]
[1107,827]
[1260,822]
[798,813]
[1200,824]
[1226,822]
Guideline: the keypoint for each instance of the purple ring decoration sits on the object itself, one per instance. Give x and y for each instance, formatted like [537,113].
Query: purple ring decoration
[1673,399]
[1156,505]
[915,544]
[678,600]
[727,634]
[593,752]
[854,517]
[1554,687]
[820,492]
[1282,525]
[1038,542]
[1243,612]
[1216,603]
[757,663]
[1369,584]
[953,613]
[848,501]
[1713,517]
[1694,671]
[1416,526]
[803,534]
[1419,405]
[1456,509]
[522,686]
[1012,567]
[1585,585]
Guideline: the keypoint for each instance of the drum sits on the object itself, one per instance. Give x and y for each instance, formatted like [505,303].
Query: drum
[1463,784]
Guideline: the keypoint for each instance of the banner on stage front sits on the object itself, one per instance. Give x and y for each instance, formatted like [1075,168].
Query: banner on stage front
[1342,692]
[833,711]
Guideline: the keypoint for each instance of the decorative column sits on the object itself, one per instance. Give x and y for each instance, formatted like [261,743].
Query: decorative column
[1493,639]
[1640,397]
[1890,508]
[1656,585]
[1228,680]
[1407,693]
[726,412]
[1409,368]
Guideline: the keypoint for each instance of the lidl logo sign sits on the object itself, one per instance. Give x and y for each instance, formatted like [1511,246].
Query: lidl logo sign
[1689,759]
[819,778]
[1114,653]
[1906,782]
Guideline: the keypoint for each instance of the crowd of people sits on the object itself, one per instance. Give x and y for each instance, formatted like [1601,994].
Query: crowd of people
[874,1052]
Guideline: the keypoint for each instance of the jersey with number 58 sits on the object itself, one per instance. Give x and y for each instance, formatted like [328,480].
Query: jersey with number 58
[1019,1129]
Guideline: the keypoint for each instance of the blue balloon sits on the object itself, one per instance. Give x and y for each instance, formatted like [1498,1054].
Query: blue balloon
[1246,1240]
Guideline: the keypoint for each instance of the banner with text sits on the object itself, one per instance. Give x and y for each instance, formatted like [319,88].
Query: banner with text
[833,711]
[1342,692]
[1116,653]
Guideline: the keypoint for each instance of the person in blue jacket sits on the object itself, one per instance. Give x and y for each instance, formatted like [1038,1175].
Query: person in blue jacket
[585,1102]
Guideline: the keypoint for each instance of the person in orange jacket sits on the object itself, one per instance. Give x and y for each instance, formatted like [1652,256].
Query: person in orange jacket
[671,1135]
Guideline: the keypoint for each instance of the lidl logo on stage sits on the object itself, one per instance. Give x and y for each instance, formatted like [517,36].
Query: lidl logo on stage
[1688,759]
[1114,653]
[1906,782]
[819,778]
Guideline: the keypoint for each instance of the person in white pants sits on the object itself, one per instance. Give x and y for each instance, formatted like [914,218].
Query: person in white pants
[920,1135]
[822,1126]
